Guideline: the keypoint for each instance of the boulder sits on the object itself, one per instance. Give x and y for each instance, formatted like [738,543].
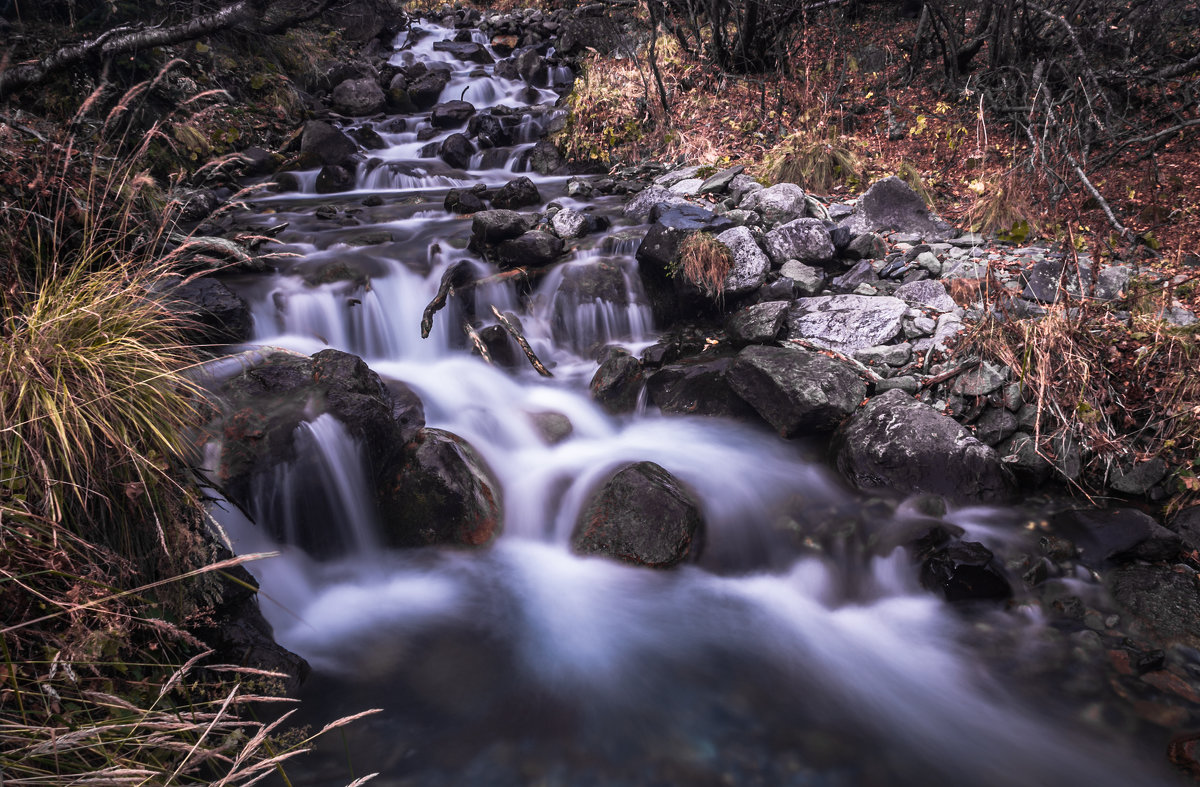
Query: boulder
[1137,478]
[995,425]
[452,114]
[642,515]
[720,182]
[324,144]
[535,249]
[468,51]
[367,137]
[543,158]
[965,571]
[425,90]
[216,315]
[846,322]
[517,193]
[439,491]
[638,208]
[333,179]
[617,382]
[530,65]
[868,246]
[928,293]
[897,442]
[569,223]
[750,265]
[1051,279]
[1116,535]
[761,323]
[489,131]
[891,205]
[456,150]
[697,386]
[357,97]
[463,201]
[493,226]
[1020,454]
[806,240]
[796,391]
[659,250]
[807,279]
[779,204]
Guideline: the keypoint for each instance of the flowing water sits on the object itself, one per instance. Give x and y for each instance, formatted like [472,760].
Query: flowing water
[793,654]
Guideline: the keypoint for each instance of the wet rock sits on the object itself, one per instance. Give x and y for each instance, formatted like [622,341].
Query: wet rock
[1137,478]
[779,204]
[493,226]
[530,65]
[642,515]
[439,491]
[846,322]
[467,51]
[553,427]
[569,223]
[535,249]
[357,97]
[517,194]
[897,442]
[659,250]
[463,201]
[489,131]
[368,137]
[796,391]
[333,179]
[930,294]
[806,240]
[617,382]
[543,158]
[761,323]
[1116,535]
[890,205]
[995,425]
[216,314]
[325,144]
[750,265]
[965,571]
[696,386]
[1163,602]
[425,90]
[456,150]
[452,114]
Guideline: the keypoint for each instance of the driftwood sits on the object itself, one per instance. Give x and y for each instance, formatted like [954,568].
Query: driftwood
[944,376]
[460,274]
[515,332]
[477,340]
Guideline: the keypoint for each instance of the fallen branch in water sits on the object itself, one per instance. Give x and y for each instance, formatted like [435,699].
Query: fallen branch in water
[477,340]
[515,332]
[458,275]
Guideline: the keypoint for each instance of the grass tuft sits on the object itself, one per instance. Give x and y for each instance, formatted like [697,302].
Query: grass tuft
[705,262]
[813,162]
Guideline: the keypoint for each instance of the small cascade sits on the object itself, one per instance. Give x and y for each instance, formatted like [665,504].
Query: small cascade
[596,302]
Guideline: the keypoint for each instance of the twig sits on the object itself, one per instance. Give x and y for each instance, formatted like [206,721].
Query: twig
[515,332]
[477,340]
[944,376]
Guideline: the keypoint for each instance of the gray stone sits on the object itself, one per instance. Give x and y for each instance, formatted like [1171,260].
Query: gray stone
[357,97]
[517,193]
[535,249]
[897,442]
[687,188]
[967,240]
[214,313]
[452,114]
[928,261]
[750,265]
[617,382]
[1177,315]
[1047,281]
[720,181]
[816,209]
[778,204]
[569,223]
[1112,282]
[543,158]
[867,246]
[741,185]
[465,50]
[860,274]
[981,380]
[761,323]
[743,218]
[806,240]
[326,144]
[1137,478]
[885,355]
[846,322]
[456,150]
[919,326]
[669,179]
[333,179]
[995,425]
[890,205]
[493,226]
[1115,535]
[795,390]
[906,383]
[1020,454]
[1187,524]
[928,293]
[640,206]
[809,280]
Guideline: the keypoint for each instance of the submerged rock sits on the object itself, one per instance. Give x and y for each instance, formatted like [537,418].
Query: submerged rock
[642,515]
[965,571]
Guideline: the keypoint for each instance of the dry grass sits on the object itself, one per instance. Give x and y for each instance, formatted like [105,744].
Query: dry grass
[1002,205]
[705,262]
[816,163]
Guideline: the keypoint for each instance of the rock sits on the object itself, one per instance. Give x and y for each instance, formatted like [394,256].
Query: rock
[638,208]
[452,114]
[750,265]
[333,179]
[1116,535]
[439,491]
[806,240]
[1019,453]
[517,194]
[468,51]
[530,65]
[586,300]
[761,323]
[897,442]
[493,226]
[325,144]
[720,181]
[995,425]
[1177,315]
[617,382]
[456,150]
[687,188]
[1163,602]
[696,386]
[368,137]
[890,205]
[425,90]
[535,249]
[669,179]
[216,315]
[861,273]
[1049,279]
[1187,524]
[462,201]
[846,322]
[659,250]
[569,223]
[809,280]
[796,391]
[965,571]
[553,427]
[931,294]
[357,97]
[543,158]
[981,380]
[1112,282]
[489,131]
[779,204]
[1137,478]
[644,516]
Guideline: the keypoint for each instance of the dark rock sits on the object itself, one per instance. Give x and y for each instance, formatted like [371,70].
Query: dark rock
[489,131]
[720,182]
[425,90]
[465,50]
[995,425]
[216,314]
[806,240]
[530,66]
[890,205]
[697,386]
[535,249]
[1116,535]
[761,323]
[368,137]
[867,246]
[456,150]
[1050,279]
[358,97]
[256,161]
[324,144]
[517,193]
[1137,478]
[617,382]
[1187,524]
[489,227]
[452,114]
[896,442]
[462,201]
[860,273]
[965,571]
[1019,453]
[644,516]
[332,179]
[1163,602]
[796,391]
[500,346]
[439,491]
[239,634]
[543,158]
